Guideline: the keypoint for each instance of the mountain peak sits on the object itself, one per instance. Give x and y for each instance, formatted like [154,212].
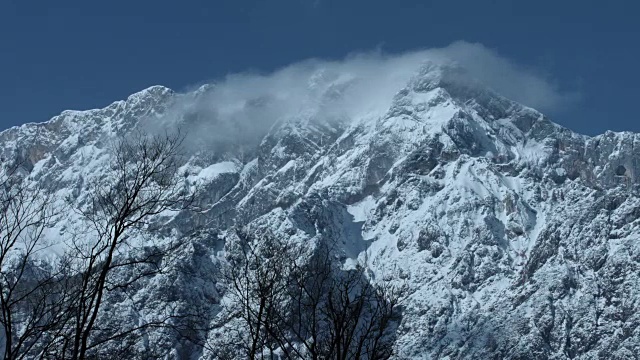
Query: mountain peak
[501,225]
[155,91]
[432,75]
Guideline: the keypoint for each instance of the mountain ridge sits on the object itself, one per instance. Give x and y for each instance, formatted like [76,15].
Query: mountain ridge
[516,237]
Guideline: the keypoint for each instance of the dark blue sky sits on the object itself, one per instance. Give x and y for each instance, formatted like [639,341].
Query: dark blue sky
[57,55]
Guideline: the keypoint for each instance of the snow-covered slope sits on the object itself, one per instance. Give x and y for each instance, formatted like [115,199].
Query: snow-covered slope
[515,237]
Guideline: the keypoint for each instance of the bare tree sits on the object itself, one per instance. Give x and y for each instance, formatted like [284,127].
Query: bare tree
[296,304]
[142,182]
[29,302]
[255,279]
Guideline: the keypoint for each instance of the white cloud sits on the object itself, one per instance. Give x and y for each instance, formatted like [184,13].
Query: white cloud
[507,78]
[241,108]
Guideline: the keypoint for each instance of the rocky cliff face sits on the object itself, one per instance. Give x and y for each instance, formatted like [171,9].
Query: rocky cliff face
[515,237]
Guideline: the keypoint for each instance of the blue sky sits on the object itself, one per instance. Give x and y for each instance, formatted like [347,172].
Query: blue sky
[57,55]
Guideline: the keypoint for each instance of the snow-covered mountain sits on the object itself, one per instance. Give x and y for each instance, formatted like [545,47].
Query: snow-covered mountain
[515,237]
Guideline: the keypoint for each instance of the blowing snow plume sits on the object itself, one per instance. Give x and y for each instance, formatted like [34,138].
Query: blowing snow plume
[236,112]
